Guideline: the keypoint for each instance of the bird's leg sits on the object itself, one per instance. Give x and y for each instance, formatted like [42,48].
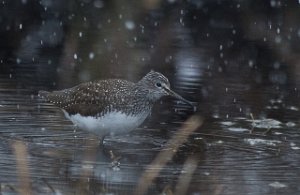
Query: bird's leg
[75,128]
[101,140]
[101,145]
[115,161]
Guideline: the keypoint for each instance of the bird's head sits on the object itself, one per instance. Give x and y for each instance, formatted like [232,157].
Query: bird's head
[158,86]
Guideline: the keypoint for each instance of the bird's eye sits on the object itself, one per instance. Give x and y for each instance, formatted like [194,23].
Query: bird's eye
[158,84]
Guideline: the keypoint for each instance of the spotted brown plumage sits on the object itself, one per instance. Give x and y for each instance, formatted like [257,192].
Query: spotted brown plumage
[93,98]
[113,105]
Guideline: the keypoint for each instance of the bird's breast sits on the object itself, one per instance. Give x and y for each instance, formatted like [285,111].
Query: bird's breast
[114,122]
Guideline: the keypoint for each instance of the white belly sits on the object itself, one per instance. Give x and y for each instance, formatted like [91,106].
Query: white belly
[111,123]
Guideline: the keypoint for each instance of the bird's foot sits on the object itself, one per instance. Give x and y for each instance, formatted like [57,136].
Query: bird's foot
[115,161]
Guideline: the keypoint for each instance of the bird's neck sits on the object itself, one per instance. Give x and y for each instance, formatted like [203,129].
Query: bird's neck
[143,93]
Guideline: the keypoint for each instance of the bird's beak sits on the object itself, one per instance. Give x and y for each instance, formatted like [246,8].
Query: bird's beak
[177,96]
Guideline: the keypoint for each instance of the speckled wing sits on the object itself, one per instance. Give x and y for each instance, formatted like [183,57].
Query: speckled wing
[91,98]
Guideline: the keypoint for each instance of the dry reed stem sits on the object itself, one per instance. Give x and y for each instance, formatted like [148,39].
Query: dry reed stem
[164,156]
[184,180]
[20,151]
[88,164]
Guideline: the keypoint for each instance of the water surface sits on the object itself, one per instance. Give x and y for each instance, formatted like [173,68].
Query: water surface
[237,60]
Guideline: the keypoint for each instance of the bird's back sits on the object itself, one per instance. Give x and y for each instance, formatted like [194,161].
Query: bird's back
[91,98]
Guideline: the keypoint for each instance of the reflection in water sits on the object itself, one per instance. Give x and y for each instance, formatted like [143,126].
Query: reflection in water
[189,69]
[58,153]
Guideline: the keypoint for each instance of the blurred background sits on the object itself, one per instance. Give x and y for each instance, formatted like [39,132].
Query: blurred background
[213,50]
[238,60]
